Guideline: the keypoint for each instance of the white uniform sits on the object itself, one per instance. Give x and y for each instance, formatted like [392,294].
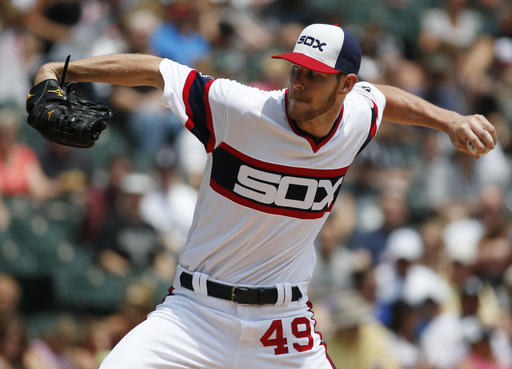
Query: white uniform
[266,192]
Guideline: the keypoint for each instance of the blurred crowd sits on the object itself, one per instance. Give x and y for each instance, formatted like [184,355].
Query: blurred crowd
[414,264]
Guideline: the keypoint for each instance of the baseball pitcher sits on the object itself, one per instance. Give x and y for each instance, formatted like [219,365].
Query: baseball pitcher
[276,163]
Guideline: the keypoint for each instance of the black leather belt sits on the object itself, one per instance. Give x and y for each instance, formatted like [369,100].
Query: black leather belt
[241,295]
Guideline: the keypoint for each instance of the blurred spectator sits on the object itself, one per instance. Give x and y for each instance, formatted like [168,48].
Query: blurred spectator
[335,263]
[52,20]
[462,182]
[227,58]
[494,257]
[13,342]
[364,280]
[494,169]
[248,43]
[489,57]
[193,158]
[464,249]
[357,341]
[177,38]
[287,36]
[453,185]
[461,240]
[71,167]
[365,190]
[433,246]
[19,59]
[425,289]
[10,295]
[101,199]
[440,341]
[491,209]
[430,190]
[149,124]
[394,211]
[54,349]
[407,74]
[404,323]
[450,28]
[403,250]
[480,354]
[97,343]
[169,206]
[274,75]
[127,243]
[449,184]
[20,170]
[505,298]
[138,301]
[444,341]
[9,14]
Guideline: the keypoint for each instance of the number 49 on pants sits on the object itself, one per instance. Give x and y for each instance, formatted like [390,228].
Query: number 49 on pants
[300,328]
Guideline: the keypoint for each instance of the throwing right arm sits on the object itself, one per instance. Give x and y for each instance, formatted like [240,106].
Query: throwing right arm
[406,108]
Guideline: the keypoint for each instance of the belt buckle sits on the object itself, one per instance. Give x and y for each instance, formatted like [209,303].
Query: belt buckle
[234,294]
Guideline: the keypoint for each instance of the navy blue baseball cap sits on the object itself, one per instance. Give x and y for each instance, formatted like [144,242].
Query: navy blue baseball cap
[326,48]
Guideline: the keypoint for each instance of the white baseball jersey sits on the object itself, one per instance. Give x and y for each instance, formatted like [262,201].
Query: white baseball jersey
[268,186]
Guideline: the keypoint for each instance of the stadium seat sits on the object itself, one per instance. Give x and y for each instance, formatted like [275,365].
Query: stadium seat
[88,289]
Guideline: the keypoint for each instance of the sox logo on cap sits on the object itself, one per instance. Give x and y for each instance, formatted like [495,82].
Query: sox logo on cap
[308,40]
[326,48]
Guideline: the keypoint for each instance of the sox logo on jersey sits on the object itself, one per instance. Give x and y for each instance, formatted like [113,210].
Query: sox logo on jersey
[271,188]
[276,189]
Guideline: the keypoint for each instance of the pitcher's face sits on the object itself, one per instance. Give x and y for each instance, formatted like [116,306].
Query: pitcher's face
[311,93]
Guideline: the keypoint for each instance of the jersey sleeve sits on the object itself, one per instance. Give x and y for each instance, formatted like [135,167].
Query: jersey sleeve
[197,99]
[376,102]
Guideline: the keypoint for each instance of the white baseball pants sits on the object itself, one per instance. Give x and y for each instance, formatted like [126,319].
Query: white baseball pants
[190,330]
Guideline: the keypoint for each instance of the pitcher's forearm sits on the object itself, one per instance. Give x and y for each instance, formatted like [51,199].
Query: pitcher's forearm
[472,134]
[117,69]
[406,108]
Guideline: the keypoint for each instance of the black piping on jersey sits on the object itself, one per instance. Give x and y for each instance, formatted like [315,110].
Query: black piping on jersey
[373,127]
[197,107]
[315,142]
[276,189]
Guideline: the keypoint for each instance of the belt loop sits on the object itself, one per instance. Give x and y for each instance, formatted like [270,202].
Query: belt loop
[280,294]
[303,288]
[199,283]
[177,278]
[287,293]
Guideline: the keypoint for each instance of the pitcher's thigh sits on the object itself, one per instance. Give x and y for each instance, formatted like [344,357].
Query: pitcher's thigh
[147,346]
[168,342]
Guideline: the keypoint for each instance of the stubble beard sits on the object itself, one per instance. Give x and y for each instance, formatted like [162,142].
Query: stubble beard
[312,113]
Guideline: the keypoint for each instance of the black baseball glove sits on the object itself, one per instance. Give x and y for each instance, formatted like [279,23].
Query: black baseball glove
[61,115]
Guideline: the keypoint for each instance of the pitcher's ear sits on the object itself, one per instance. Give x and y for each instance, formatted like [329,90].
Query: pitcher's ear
[348,83]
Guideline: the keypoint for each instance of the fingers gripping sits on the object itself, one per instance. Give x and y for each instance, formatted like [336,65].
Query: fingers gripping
[479,135]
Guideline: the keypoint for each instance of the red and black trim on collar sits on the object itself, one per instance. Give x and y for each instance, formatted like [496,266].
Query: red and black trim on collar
[314,142]
[197,108]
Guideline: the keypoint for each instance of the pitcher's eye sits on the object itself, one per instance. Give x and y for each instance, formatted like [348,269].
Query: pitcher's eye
[316,76]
